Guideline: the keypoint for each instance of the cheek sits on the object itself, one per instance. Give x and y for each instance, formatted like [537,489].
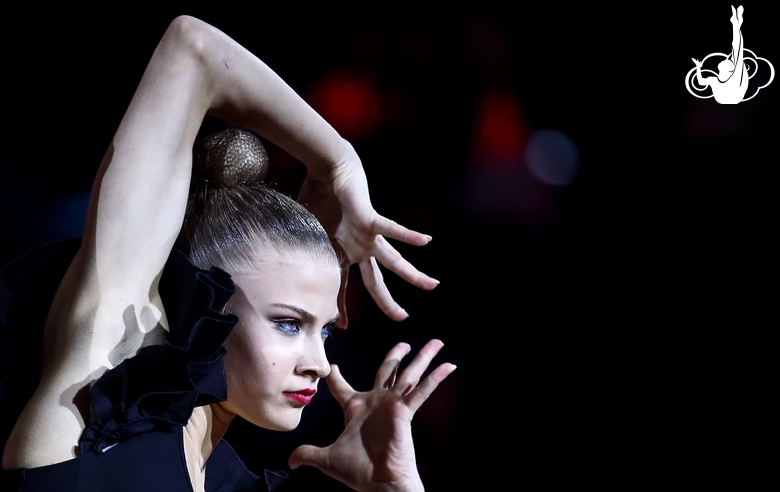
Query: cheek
[257,361]
[244,343]
[245,366]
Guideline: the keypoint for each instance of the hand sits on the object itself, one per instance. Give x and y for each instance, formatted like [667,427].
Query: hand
[375,452]
[697,62]
[339,199]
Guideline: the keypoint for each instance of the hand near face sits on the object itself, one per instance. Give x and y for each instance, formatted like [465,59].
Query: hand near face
[340,200]
[375,452]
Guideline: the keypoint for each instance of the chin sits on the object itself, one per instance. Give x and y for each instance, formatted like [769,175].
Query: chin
[279,422]
[280,428]
[285,427]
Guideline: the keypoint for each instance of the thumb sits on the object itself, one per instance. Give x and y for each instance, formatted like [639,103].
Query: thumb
[308,455]
[338,386]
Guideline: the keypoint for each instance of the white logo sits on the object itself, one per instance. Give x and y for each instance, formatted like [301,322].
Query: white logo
[730,84]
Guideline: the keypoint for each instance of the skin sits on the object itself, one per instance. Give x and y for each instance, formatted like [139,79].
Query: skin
[286,304]
[109,298]
[375,452]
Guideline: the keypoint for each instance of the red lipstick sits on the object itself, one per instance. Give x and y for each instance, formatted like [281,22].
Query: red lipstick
[303,396]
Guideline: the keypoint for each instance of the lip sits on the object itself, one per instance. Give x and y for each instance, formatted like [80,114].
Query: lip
[302,396]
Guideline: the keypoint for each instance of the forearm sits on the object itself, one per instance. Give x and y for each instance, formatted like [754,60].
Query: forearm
[699,78]
[195,70]
[245,91]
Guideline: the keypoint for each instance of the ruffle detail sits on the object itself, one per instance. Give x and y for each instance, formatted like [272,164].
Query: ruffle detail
[161,385]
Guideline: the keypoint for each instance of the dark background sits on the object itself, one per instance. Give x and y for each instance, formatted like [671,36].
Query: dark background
[613,331]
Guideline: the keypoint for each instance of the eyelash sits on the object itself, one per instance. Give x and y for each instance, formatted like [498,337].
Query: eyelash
[293,327]
[289,326]
[327,330]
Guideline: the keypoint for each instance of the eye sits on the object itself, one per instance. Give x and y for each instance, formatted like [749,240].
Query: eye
[327,330]
[288,326]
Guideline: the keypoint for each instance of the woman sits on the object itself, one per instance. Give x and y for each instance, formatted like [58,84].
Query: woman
[731,84]
[125,293]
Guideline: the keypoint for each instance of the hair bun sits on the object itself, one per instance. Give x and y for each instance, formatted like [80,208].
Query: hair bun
[228,158]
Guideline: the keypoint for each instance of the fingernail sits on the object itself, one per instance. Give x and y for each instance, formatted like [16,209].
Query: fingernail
[429,238]
[405,313]
[437,282]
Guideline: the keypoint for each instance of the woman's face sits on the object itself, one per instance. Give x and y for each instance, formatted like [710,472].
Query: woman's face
[286,302]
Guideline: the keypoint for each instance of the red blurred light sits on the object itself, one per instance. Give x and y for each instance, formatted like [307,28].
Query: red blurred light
[350,101]
[501,130]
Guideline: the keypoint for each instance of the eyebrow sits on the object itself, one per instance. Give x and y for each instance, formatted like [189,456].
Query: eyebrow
[306,316]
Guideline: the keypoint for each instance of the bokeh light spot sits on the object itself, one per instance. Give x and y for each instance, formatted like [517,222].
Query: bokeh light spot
[501,129]
[552,157]
[350,101]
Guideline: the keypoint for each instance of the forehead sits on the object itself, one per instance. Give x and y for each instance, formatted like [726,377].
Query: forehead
[291,276]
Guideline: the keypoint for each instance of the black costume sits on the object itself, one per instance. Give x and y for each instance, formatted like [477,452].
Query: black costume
[135,442]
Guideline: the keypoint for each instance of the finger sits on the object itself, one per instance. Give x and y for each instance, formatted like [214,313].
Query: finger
[385,376]
[375,284]
[342,320]
[388,256]
[390,228]
[339,387]
[418,395]
[409,378]
[308,455]
[341,300]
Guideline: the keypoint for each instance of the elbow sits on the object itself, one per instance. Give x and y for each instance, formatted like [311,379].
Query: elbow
[187,35]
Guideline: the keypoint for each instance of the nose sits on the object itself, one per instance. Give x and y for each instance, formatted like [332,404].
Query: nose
[313,361]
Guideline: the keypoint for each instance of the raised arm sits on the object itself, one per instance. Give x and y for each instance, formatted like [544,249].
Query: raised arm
[702,81]
[107,304]
[197,70]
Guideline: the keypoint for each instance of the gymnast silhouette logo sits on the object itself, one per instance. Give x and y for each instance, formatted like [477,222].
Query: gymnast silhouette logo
[730,84]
